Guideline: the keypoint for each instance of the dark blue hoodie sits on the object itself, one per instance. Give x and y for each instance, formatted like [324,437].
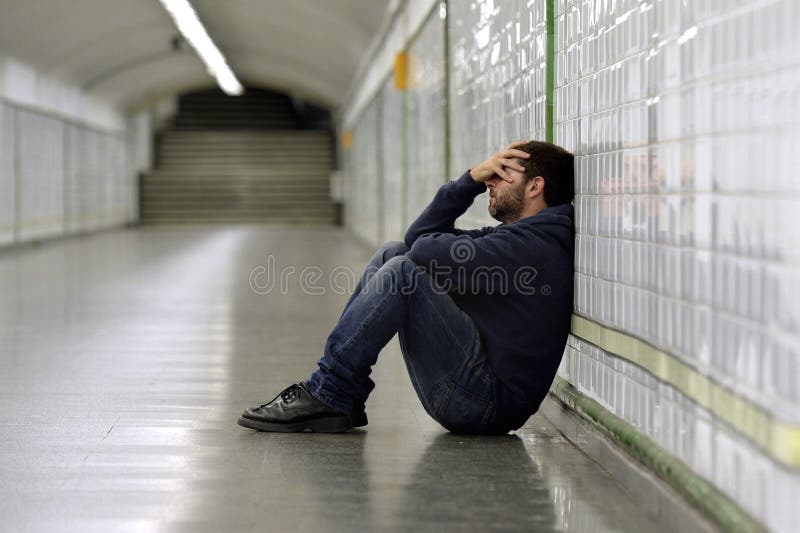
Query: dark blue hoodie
[514,280]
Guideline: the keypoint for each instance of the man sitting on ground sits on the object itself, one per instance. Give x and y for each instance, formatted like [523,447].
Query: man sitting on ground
[483,315]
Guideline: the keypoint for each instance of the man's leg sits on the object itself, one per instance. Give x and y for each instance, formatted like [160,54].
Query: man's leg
[384,253]
[295,408]
[441,345]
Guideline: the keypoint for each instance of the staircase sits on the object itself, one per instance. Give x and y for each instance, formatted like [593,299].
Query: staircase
[246,166]
[253,110]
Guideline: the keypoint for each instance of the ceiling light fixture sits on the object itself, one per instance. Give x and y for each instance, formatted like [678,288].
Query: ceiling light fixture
[193,30]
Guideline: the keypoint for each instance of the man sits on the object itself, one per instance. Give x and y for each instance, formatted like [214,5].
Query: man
[483,315]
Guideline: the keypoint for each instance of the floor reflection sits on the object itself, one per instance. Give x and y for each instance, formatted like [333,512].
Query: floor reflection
[315,482]
[487,483]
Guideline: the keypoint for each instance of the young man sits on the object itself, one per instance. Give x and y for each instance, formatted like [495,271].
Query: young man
[483,315]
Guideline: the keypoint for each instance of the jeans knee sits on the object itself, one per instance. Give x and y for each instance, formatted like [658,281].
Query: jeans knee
[399,263]
[392,249]
[399,271]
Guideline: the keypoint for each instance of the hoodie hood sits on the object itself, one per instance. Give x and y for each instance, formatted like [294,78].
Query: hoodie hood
[559,214]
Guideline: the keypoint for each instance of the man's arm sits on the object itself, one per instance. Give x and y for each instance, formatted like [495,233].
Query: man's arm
[454,198]
[497,263]
[451,201]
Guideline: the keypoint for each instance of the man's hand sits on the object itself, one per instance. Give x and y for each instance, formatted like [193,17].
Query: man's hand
[497,162]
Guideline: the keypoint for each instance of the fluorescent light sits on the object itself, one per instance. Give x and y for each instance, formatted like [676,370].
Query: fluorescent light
[193,31]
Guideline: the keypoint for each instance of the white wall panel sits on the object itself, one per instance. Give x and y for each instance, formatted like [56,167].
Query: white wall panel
[85,179]
[364,212]
[40,146]
[119,178]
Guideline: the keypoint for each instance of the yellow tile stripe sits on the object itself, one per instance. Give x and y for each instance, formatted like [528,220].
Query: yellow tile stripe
[778,438]
[401,71]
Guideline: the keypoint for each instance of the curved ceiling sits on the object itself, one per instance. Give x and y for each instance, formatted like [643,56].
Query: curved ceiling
[122,50]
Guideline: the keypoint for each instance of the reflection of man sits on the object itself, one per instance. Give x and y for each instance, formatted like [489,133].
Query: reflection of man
[481,349]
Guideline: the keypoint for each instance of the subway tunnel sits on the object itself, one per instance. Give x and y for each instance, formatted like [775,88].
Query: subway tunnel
[190,192]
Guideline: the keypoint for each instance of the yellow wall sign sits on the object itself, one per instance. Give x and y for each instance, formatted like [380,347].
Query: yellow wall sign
[401,71]
[347,139]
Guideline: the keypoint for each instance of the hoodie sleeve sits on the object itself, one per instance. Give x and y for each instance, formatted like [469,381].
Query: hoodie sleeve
[500,262]
[451,201]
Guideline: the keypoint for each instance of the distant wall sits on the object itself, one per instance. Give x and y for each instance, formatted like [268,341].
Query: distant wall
[68,163]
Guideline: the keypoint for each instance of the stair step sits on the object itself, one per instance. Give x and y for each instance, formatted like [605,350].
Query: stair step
[279,200]
[226,172]
[322,221]
[213,215]
[221,180]
[170,188]
[251,156]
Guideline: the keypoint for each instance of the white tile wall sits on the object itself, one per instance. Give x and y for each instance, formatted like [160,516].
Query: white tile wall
[684,120]
[117,179]
[98,182]
[73,178]
[84,178]
[687,204]
[41,167]
[364,207]
[497,83]
[426,115]
[692,250]
[765,488]
[394,218]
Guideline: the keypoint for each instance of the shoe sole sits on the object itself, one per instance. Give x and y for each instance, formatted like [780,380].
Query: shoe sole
[332,424]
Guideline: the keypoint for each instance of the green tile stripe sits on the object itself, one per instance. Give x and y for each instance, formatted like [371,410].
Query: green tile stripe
[698,492]
[780,439]
[550,67]
[446,32]
[404,164]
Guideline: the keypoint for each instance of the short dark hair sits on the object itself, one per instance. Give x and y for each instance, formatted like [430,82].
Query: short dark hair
[556,166]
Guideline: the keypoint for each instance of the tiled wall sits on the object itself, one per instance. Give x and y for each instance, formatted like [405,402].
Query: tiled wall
[684,120]
[394,169]
[391,170]
[687,202]
[97,192]
[40,149]
[426,104]
[59,178]
[497,87]
[362,165]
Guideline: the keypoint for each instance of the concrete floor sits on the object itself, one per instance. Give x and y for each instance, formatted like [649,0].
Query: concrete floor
[127,356]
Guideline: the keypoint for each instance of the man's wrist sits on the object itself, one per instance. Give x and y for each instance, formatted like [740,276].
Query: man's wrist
[469,179]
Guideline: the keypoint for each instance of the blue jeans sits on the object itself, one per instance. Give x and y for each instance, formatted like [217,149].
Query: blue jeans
[440,343]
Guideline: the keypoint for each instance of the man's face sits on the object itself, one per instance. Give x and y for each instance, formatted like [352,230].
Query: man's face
[506,200]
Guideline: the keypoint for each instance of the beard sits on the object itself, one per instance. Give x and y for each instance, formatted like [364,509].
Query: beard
[507,205]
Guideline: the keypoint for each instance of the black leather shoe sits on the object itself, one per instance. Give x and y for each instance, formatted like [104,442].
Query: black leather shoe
[295,410]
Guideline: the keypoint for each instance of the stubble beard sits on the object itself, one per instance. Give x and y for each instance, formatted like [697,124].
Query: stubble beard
[507,207]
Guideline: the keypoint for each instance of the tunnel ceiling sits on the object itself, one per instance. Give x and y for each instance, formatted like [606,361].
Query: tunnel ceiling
[122,49]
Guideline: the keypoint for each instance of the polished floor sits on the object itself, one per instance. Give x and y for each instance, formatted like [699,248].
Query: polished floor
[126,357]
